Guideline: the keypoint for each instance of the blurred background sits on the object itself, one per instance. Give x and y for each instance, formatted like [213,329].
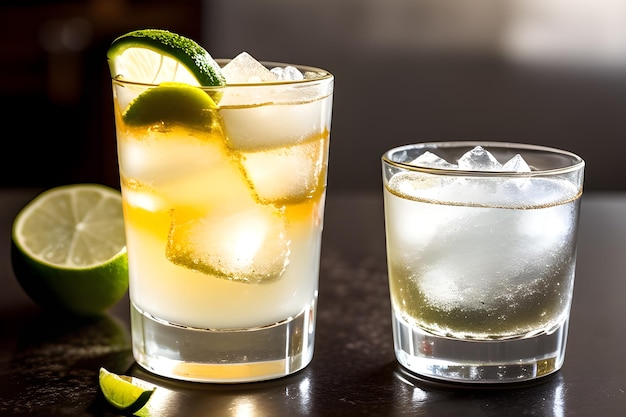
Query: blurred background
[547,72]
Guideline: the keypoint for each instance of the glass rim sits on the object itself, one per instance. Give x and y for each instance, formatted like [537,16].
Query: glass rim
[577,162]
[322,75]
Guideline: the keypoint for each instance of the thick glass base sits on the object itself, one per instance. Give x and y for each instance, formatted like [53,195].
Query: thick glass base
[474,361]
[223,356]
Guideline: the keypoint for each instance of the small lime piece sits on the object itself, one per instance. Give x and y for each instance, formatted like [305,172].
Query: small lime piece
[125,393]
[153,56]
[172,103]
[69,249]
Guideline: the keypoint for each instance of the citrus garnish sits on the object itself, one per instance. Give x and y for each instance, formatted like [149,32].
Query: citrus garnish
[153,56]
[172,103]
[123,392]
[69,248]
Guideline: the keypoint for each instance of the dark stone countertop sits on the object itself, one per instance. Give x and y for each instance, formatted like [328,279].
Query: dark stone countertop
[49,364]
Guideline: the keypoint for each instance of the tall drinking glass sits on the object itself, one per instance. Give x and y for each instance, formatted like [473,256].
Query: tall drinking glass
[223,209]
[481,249]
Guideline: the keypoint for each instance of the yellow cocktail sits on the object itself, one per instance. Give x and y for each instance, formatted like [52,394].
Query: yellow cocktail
[223,190]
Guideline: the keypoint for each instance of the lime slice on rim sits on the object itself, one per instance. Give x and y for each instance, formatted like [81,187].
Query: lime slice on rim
[123,392]
[172,103]
[69,249]
[153,56]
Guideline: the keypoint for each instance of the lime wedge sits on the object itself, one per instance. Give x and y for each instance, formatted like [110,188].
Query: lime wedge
[69,249]
[123,392]
[153,56]
[172,103]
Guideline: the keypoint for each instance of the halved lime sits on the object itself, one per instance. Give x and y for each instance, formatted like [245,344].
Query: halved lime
[123,392]
[69,248]
[153,56]
[172,103]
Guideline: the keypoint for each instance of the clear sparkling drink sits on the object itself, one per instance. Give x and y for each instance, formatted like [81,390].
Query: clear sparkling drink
[481,263]
[224,222]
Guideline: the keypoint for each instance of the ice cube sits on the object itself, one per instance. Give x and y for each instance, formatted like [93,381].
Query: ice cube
[479,159]
[287,73]
[185,170]
[143,196]
[244,69]
[456,272]
[516,164]
[430,160]
[286,174]
[155,157]
[282,124]
[248,244]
